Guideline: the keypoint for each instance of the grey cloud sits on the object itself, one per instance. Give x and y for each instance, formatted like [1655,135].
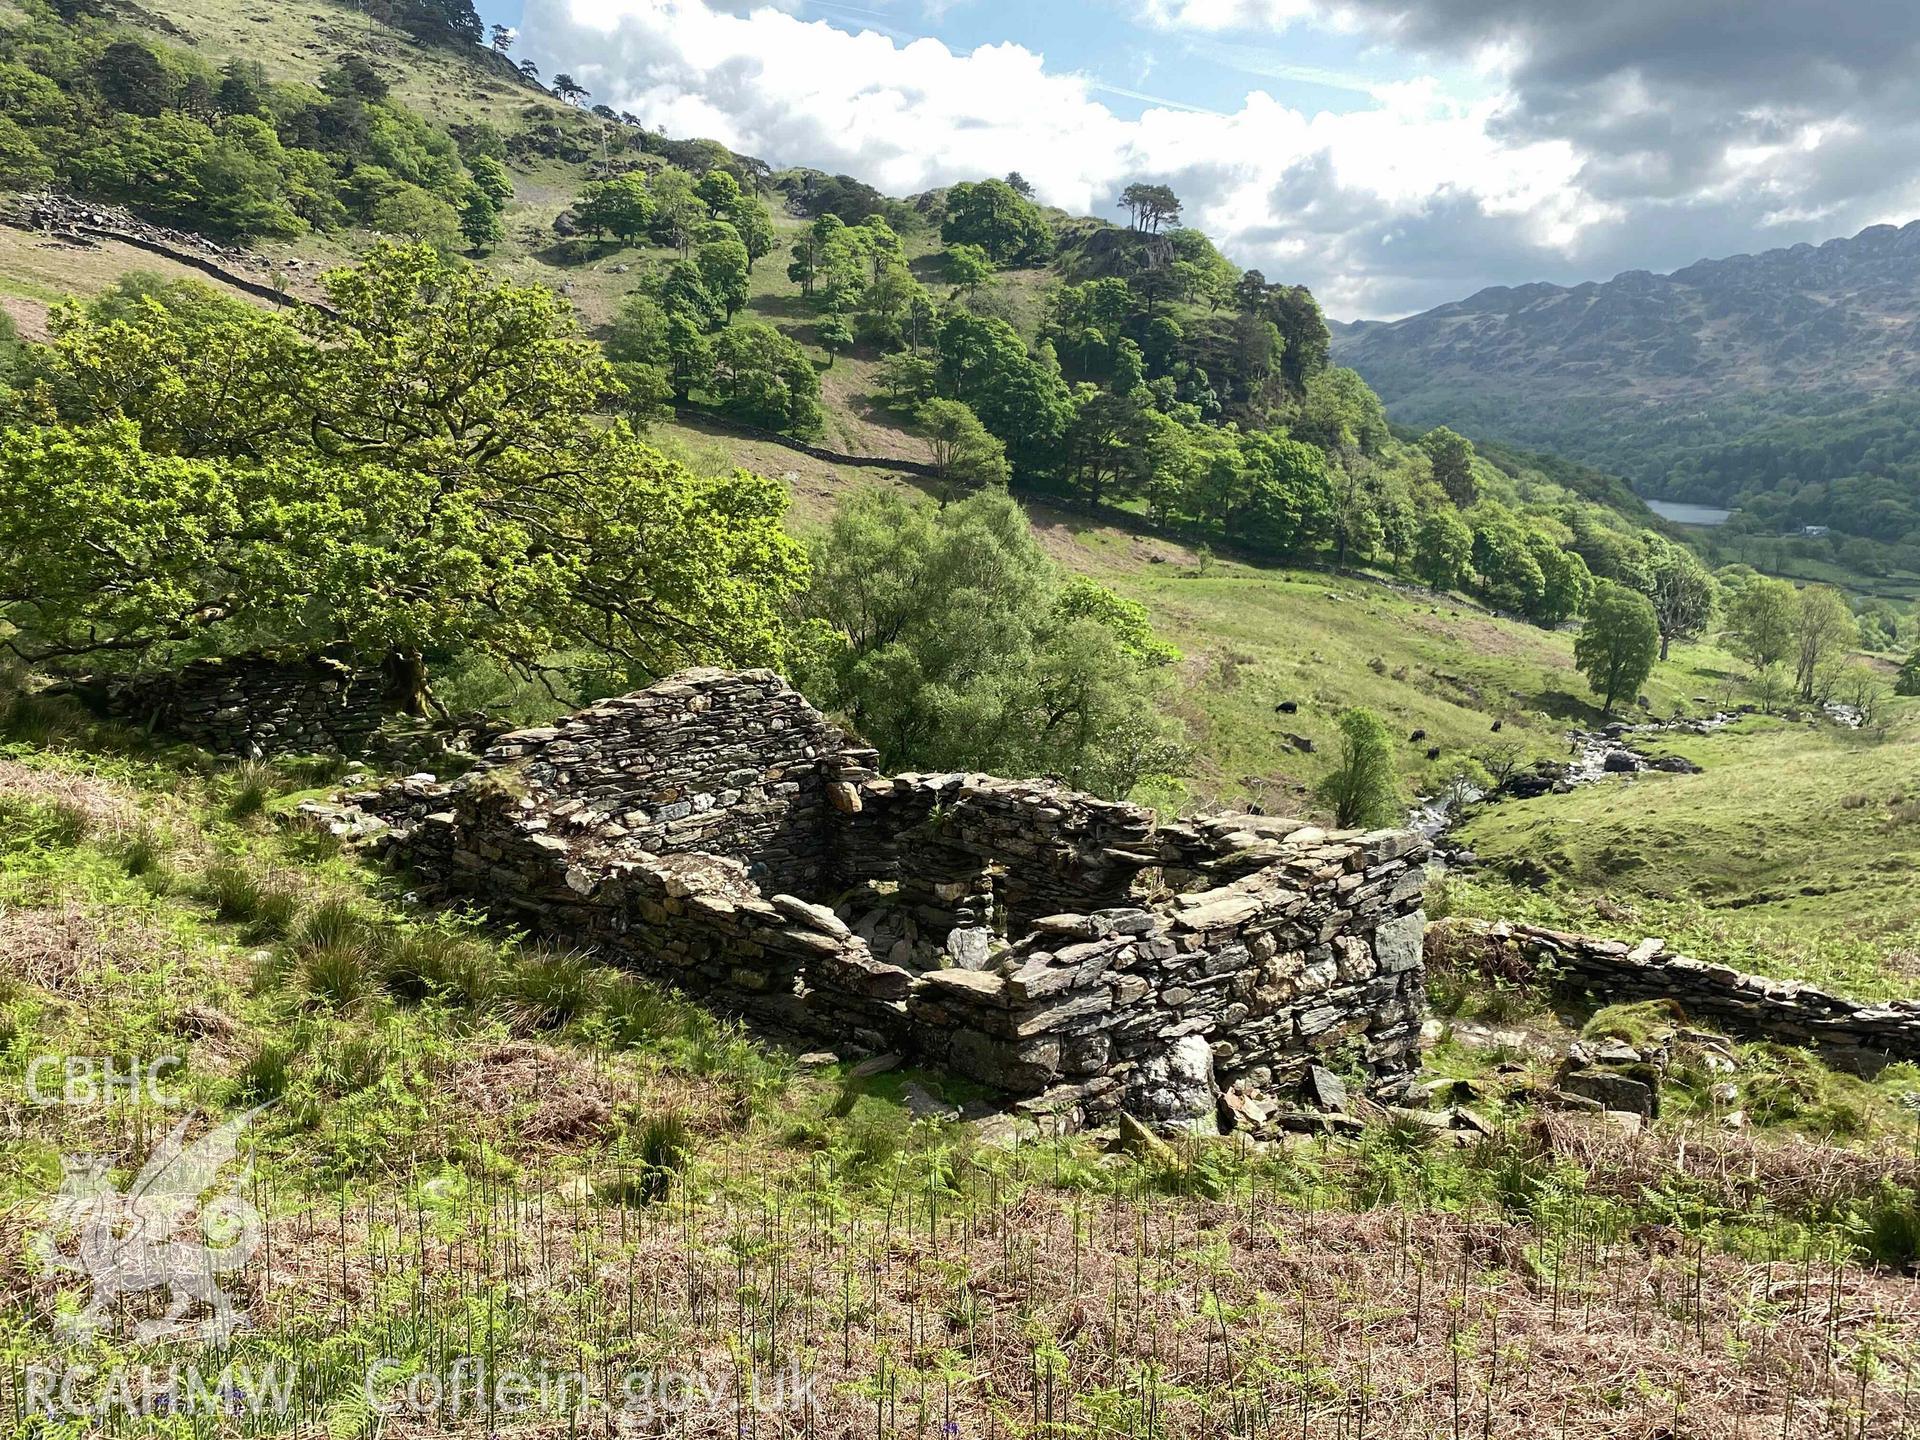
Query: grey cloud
[1806,50]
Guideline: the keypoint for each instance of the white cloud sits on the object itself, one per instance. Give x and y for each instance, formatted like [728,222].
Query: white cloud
[1313,198]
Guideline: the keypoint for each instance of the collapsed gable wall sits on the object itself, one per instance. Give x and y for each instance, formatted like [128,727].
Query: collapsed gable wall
[251,705]
[715,831]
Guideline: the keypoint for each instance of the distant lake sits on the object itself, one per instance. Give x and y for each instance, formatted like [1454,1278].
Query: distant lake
[1681,514]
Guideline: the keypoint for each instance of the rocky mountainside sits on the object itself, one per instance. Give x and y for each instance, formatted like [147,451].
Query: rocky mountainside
[1634,372]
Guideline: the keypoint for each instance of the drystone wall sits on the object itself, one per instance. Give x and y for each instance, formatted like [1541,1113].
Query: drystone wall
[251,705]
[1857,1037]
[717,832]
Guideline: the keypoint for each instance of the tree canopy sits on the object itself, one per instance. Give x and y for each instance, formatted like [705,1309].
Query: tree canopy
[420,473]
[1618,644]
[1363,789]
[952,642]
[997,218]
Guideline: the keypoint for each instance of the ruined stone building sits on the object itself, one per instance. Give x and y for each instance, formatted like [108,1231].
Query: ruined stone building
[717,832]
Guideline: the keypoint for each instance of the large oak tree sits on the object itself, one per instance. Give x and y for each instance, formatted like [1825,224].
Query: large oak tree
[424,473]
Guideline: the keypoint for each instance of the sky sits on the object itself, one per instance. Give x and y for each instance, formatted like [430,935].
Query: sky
[1391,154]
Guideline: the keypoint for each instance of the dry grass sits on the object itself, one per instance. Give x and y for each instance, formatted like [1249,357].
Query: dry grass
[1052,1313]
[55,948]
[106,805]
[564,1099]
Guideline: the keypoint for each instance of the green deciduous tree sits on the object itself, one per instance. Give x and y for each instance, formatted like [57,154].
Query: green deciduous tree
[1443,550]
[407,212]
[1353,519]
[480,220]
[1682,592]
[1106,445]
[764,378]
[678,211]
[1823,632]
[622,207]
[1452,457]
[638,334]
[22,164]
[1618,644]
[1504,556]
[967,267]
[1020,397]
[953,643]
[1363,789]
[1565,583]
[1760,622]
[725,270]
[429,480]
[962,451]
[1907,682]
[993,216]
[197,372]
[835,335]
[1879,623]
[491,176]
[895,310]
[909,379]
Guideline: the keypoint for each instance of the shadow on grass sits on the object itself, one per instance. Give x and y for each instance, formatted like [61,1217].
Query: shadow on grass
[776,306]
[1562,705]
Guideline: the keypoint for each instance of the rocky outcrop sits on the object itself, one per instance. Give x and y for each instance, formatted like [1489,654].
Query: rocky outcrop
[83,221]
[717,832]
[1853,1036]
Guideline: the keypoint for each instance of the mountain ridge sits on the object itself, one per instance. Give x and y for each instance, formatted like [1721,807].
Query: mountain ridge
[1755,380]
[1737,318]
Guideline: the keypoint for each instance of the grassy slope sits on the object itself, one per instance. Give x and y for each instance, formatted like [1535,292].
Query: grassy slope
[1792,853]
[1756,862]
[1255,638]
[1252,638]
[36,271]
[483,1174]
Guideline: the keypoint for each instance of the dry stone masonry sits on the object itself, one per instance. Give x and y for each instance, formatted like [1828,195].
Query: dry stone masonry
[719,833]
[251,705]
[1861,1038]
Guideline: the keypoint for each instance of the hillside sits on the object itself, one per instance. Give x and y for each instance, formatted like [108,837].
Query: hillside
[641,795]
[470,1156]
[1167,420]
[1775,382]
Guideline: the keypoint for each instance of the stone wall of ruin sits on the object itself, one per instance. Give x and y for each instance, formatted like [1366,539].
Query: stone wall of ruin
[1857,1037]
[716,832]
[251,705]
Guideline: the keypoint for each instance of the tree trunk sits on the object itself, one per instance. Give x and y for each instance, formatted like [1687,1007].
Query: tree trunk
[405,675]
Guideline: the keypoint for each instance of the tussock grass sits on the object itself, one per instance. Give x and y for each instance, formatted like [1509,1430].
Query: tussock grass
[551,986]
[425,964]
[333,923]
[338,973]
[234,889]
[248,786]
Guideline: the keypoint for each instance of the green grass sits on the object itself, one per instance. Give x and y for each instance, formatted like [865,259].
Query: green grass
[446,1101]
[1256,638]
[1792,854]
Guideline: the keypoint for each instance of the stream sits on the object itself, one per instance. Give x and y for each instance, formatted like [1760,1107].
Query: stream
[1594,755]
